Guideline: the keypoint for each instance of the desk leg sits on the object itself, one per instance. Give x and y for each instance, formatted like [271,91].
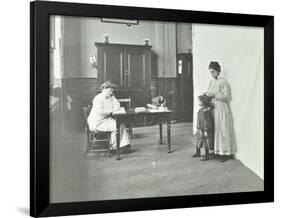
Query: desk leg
[118,139]
[169,135]
[160,132]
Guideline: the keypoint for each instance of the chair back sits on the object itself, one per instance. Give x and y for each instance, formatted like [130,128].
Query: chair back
[86,112]
[125,102]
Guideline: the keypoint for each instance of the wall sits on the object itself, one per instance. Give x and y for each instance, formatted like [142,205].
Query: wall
[92,30]
[166,48]
[240,52]
[80,36]
[71,47]
[184,37]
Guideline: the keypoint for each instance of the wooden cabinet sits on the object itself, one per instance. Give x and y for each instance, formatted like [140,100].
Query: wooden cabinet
[129,67]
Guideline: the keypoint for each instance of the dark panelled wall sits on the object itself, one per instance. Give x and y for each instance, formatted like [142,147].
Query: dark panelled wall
[77,92]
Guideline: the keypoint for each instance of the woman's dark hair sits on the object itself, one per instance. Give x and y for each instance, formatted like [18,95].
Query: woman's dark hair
[107,84]
[215,65]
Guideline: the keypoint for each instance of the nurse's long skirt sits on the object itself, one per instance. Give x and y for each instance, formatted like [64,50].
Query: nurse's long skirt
[224,143]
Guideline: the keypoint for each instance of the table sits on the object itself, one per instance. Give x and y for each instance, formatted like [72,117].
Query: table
[160,116]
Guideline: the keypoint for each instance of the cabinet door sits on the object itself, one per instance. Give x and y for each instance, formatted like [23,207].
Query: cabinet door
[112,65]
[137,69]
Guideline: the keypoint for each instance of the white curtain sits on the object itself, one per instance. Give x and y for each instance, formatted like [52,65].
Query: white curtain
[239,50]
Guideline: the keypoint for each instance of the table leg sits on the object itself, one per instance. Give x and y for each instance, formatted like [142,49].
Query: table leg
[160,132]
[169,135]
[118,139]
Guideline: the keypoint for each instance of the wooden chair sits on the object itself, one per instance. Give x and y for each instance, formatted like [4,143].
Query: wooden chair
[97,141]
[126,103]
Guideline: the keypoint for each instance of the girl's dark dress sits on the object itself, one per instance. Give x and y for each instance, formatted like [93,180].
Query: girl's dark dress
[205,123]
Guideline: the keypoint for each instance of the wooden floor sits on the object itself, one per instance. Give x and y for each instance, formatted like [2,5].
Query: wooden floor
[147,171]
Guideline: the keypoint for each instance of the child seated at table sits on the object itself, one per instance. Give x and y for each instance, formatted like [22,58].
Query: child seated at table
[159,101]
[205,128]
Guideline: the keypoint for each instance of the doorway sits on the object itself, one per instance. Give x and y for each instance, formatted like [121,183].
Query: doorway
[184,87]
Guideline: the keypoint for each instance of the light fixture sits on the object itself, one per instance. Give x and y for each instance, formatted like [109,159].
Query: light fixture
[106,37]
[93,61]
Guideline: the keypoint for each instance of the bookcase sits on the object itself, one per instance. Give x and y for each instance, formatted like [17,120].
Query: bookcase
[129,67]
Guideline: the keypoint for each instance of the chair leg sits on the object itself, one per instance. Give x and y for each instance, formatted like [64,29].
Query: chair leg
[92,140]
[109,150]
[130,130]
[88,147]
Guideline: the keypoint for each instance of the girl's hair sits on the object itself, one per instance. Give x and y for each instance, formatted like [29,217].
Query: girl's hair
[206,100]
[215,65]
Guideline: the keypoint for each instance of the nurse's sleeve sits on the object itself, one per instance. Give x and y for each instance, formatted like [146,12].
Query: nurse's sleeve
[223,94]
[210,90]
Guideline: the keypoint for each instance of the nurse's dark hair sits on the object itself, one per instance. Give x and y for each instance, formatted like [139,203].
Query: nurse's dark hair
[215,65]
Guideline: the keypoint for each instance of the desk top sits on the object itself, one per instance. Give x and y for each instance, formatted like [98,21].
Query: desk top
[131,111]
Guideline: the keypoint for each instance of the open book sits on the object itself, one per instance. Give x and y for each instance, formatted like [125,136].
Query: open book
[151,106]
[120,111]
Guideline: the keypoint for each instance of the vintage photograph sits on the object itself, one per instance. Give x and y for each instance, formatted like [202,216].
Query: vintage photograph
[144,109]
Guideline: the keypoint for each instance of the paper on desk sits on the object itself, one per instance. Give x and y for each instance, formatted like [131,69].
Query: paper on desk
[152,106]
[140,109]
[120,111]
[153,110]
[158,110]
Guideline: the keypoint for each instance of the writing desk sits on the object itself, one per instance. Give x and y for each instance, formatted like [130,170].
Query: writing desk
[161,116]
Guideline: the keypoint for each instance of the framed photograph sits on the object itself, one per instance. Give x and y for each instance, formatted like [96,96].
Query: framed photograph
[142,109]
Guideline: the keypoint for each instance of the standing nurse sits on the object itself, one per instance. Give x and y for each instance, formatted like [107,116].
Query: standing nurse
[224,144]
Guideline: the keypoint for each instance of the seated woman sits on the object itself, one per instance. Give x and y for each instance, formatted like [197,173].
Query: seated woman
[104,104]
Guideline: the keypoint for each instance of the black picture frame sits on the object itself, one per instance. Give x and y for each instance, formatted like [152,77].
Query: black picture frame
[39,108]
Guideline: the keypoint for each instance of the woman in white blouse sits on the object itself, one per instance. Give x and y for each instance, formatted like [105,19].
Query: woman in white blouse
[104,104]
[224,141]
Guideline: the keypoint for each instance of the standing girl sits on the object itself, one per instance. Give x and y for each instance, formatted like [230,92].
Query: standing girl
[205,127]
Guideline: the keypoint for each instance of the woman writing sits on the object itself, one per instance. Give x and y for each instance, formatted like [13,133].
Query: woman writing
[104,104]
[224,143]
